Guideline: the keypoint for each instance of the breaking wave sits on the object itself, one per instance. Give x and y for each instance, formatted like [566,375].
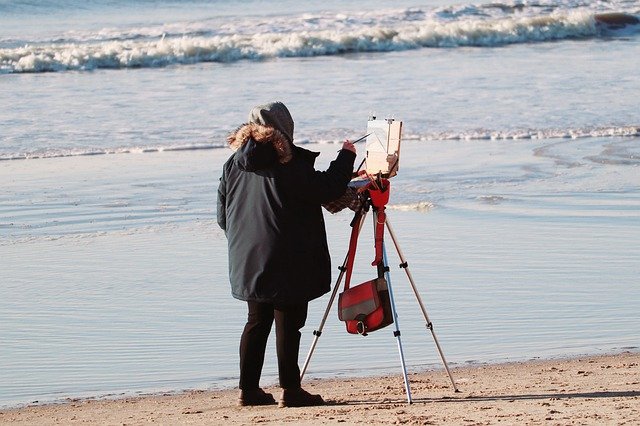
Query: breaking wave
[577,133]
[306,36]
[79,152]
[338,137]
[422,206]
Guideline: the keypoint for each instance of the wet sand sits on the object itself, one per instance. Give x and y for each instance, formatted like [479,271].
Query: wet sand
[581,391]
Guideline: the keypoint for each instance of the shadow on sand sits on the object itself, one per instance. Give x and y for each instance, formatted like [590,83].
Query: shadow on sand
[473,398]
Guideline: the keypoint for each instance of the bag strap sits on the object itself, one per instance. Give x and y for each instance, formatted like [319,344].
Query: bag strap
[379,194]
[379,236]
[353,244]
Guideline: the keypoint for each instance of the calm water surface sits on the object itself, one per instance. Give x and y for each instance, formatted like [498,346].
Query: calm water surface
[517,204]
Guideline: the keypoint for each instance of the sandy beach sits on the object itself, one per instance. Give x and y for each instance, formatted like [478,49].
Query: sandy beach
[581,391]
[517,205]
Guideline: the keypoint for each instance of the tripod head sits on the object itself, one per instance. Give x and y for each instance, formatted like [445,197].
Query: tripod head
[380,163]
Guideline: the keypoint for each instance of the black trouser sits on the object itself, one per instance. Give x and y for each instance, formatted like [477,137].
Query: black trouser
[289,320]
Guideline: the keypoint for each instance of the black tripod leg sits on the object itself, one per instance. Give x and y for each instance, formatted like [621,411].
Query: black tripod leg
[317,333]
[404,265]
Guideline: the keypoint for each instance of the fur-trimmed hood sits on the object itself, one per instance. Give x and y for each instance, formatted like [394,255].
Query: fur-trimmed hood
[261,136]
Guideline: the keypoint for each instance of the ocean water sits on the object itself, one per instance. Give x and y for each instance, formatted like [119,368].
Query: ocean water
[517,203]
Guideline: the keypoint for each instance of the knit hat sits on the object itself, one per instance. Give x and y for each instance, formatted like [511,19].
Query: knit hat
[274,114]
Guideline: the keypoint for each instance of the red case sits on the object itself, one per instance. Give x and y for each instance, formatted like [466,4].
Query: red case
[362,308]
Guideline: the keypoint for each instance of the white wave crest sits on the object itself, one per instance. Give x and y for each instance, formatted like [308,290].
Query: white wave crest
[163,51]
[422,206]
[516,134]
[336,137]
[57,153]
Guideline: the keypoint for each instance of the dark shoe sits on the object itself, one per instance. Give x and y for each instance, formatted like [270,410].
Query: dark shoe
[255,397]
[299,398]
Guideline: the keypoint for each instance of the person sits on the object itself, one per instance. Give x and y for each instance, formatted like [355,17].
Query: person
[269,206]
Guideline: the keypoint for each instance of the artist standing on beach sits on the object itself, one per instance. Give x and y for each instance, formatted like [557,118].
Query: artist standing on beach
[269,205]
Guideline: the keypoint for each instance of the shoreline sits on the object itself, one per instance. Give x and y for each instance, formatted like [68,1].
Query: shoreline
[582,390]
[269,379]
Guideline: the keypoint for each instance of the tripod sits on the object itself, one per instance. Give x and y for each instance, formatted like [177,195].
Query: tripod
[381,220]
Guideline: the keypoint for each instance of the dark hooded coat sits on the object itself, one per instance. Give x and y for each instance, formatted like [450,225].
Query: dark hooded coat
[269,205]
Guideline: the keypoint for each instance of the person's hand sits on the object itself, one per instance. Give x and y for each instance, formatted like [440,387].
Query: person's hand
[349,146]
[359,174]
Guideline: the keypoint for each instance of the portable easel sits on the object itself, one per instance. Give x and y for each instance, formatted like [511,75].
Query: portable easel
[383,270]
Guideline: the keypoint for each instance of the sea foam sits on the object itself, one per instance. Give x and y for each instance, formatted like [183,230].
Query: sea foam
[304,36]
[338,137]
